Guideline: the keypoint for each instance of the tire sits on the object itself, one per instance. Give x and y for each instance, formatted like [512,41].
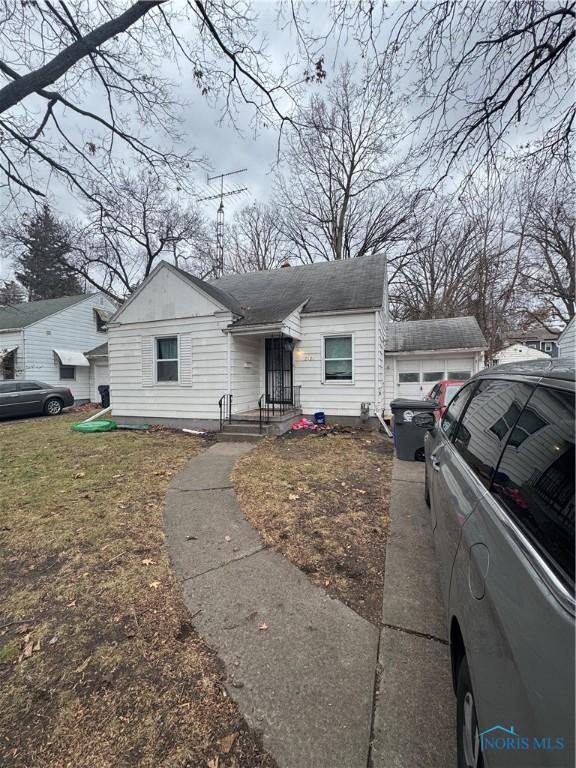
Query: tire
[426,490]
[467,736]
[53,406]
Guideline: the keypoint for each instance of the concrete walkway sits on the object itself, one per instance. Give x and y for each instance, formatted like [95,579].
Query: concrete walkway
[300,665]
[414,718]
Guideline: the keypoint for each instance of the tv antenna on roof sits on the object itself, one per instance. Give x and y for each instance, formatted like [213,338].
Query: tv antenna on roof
[219,265]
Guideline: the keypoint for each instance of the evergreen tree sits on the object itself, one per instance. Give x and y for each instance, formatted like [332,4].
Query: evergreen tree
[42,267]
[11,293]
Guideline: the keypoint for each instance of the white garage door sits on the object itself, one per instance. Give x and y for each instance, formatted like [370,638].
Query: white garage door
[415,377]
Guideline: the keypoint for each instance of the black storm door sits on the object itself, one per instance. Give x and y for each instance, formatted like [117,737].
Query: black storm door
[279,370]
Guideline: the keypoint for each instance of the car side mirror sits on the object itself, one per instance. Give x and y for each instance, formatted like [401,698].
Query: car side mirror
[425,419]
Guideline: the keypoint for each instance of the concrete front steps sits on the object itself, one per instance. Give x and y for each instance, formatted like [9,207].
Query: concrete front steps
[245,427]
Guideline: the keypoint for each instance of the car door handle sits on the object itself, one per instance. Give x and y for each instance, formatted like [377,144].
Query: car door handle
[434,461]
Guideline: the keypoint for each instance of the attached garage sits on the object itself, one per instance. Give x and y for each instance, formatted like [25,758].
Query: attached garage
[420,353]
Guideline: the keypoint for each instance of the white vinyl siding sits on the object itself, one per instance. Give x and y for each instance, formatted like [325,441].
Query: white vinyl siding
[518,352]
[333,397]
[567,341]
[133,389]
[74,328]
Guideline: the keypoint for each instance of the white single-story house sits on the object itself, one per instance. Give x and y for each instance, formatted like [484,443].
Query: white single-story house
[186,352]
[47,340]
[567,341]
[515,353]
[419,353]
[296,339]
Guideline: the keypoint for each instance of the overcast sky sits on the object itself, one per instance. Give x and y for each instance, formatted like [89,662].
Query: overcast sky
[226,148]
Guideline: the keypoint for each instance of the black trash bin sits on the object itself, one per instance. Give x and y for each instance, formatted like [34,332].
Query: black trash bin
[409,437]
[104,392]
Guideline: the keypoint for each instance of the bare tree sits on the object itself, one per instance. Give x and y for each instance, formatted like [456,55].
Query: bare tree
[102,64]
[548,270]
[255,241]
[141,223]
[341,196]
[465,259]
[485,70]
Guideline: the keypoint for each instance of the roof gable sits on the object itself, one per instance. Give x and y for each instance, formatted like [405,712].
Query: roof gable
[170,293]
[28,313]
[429,335]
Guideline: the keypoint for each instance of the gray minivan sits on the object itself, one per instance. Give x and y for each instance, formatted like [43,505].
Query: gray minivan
[500,485]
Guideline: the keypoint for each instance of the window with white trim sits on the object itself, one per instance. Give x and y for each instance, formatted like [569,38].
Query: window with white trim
[167,359]
[338,362]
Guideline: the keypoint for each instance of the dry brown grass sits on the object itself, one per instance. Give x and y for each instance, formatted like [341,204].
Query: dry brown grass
[323,503]
[99,665]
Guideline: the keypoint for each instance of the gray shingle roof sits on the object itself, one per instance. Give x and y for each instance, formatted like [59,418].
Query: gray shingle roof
[426,335]
[22,315]
[100,351]
[213,290]
[268,297]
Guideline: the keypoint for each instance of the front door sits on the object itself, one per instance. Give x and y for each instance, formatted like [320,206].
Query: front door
[279,370]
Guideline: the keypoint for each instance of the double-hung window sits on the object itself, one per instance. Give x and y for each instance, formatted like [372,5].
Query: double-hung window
[167,359]
[338,362]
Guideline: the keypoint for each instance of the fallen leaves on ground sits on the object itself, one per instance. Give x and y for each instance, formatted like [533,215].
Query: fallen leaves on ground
[336,531]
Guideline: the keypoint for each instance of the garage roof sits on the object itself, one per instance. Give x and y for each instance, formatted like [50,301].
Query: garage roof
[429,335]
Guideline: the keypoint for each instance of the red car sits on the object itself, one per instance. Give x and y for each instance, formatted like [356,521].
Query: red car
[443,391]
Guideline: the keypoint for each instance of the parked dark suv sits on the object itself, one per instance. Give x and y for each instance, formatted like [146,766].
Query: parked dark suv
[500,484]
[26,398]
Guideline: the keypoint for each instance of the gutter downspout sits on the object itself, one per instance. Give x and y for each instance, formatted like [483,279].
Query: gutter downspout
[229,362]
[376,361]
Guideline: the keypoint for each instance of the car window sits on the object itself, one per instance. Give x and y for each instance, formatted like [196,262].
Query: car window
[451,390]
[434,393]
[491,415]
[5,388]
[28,386]
[451,416]
[535,476]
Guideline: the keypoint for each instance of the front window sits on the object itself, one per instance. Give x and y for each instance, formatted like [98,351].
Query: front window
[67,373]
[338,358]
[167,359]
[548,346]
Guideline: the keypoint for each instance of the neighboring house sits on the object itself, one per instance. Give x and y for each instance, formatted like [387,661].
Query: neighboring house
[311,335]
[419,353]
[536,338]
[515,353]
[567,340]
[46,340]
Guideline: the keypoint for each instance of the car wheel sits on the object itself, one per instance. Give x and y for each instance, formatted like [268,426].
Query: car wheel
[426,489]
[468,733]
[53,406]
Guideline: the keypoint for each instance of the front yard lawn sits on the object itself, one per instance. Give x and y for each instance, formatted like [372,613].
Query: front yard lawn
[99,663]
[322,501]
